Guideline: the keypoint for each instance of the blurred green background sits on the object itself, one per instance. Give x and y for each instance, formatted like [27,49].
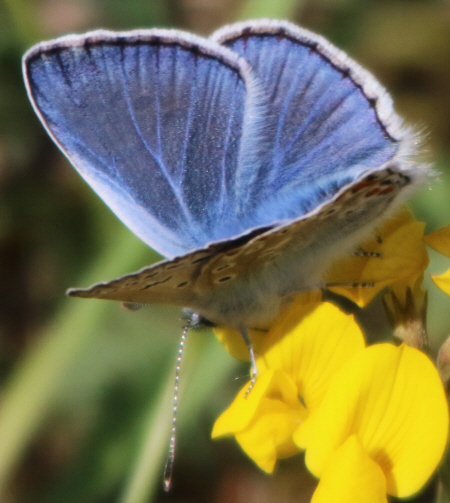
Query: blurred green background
[86,385]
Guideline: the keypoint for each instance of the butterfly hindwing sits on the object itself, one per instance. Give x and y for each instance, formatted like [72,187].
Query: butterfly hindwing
[331,121]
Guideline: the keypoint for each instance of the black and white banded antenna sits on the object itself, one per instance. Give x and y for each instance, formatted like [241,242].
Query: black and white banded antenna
[168,470]
[195,320]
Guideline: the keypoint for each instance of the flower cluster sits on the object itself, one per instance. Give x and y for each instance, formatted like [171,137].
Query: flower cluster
[372,421]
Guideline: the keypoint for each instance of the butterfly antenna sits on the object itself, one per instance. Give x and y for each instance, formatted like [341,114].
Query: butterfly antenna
[168,470]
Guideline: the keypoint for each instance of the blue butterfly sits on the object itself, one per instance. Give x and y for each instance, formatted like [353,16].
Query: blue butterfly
[251,159]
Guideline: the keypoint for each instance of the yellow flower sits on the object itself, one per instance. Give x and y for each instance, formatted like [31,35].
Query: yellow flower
[296,360]
[373,421]
[384,413]
[440,241]
[404,259]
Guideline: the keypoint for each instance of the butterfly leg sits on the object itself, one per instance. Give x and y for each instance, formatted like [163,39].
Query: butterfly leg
[251,353]
[358,253]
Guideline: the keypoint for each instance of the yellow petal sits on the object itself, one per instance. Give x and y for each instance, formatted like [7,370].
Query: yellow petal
[269,437]
[439,240]
[443,281]
[404,260]
[393,400]
[313,349]
[232,340]
[264,420]
[272,385]
[351,476]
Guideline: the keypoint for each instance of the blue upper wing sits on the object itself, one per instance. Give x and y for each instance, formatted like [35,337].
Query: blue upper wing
[188,142]
[153,121]
[329,122]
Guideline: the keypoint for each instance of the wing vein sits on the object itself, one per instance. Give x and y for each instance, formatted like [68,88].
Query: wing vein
[188,128]
[311,115]
[223,175]
[158,159]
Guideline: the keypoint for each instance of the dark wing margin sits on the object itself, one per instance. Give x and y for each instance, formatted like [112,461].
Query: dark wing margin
[152,120]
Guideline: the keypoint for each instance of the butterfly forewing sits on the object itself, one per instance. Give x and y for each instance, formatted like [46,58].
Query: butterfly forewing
[152,120]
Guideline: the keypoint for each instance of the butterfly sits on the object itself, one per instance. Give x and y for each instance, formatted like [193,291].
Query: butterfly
[251,159]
